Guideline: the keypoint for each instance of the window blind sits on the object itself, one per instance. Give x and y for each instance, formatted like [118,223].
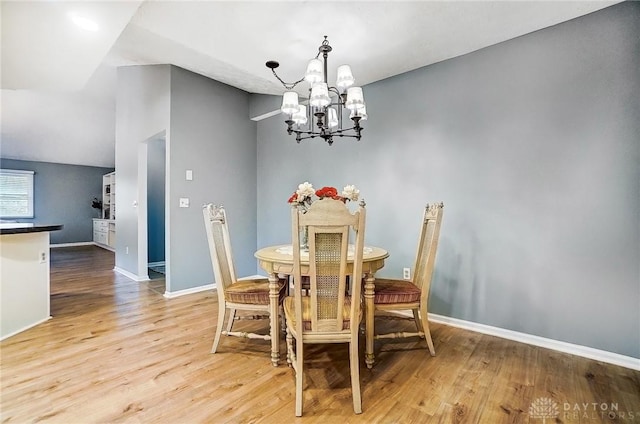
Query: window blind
[16,193]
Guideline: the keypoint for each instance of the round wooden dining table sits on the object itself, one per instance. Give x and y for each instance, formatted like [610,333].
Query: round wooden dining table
[279,260]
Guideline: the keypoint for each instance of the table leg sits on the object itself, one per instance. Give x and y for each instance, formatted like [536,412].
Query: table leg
[369,318]
[274,319]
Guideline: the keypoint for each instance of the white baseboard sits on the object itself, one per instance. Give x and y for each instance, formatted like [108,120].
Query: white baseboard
[171,295]
[79,243]
[131,275]
[13,333]
[573,349]
[82,243]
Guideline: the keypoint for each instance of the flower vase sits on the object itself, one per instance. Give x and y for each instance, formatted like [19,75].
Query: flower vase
[305,239]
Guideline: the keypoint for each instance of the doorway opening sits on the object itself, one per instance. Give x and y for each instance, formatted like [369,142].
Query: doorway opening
[156,220]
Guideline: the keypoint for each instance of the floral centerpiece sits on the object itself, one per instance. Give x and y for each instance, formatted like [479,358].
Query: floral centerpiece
[303,197]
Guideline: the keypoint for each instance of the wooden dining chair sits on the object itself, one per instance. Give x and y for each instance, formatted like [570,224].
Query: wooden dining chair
[326,314]
[396,294]
[233,294]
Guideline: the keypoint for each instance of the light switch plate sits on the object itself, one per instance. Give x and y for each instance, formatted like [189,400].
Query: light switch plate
[184,202]
[189,175]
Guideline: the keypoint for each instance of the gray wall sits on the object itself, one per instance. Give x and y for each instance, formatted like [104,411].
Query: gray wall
[534,146]
[207,131]
[63,195]
[142,113]
[210,135]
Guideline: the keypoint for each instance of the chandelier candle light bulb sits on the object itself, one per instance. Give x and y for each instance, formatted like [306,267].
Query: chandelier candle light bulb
[300,117]
[327,104]
[361,112]
[333,118]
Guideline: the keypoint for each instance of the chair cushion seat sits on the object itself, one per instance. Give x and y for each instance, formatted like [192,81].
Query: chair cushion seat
[255,292]
[395,291]
[290,314]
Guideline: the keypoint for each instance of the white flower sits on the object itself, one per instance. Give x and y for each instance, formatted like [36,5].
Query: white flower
[350,192]
[305,190]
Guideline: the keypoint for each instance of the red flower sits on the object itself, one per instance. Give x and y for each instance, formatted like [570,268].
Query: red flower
[327,192]
[293,198]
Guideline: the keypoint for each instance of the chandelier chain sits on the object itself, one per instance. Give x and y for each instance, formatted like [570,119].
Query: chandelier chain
[292,85]
[287,85]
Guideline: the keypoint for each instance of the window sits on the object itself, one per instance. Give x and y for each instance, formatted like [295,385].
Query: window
[16,194]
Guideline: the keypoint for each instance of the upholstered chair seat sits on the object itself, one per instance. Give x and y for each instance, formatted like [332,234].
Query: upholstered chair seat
[253,291]
[395,291]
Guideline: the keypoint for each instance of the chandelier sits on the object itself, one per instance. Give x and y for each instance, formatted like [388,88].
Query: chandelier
[324,115]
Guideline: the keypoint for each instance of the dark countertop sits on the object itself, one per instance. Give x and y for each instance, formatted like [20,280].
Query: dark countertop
[22,228]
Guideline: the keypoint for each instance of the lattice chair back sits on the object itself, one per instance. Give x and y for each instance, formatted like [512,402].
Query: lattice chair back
[331,226]
[428,246]
[215,219]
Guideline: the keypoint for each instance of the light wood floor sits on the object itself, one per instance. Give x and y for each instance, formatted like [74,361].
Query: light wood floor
[117,351]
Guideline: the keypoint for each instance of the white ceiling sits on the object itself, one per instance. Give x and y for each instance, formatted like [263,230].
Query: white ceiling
[58,81]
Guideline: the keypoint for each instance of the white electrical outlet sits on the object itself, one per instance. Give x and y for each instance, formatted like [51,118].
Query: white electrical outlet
[184,202]
[43,257]
[406,273]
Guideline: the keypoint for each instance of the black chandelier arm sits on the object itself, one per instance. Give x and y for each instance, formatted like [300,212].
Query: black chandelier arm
[334,90]
[339,132]
[357,129]
[300,137]
[326,134]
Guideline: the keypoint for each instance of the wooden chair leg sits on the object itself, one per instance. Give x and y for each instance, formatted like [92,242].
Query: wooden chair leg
[283,321]
[289,345]
[425,328]
[354,365]
[299,376]
[232,317]
[416,318]
[221,313]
